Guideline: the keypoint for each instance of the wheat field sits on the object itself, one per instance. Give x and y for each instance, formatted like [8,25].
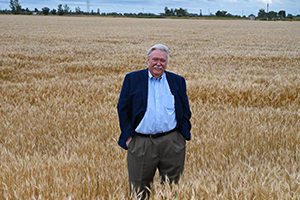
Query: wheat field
[60,79]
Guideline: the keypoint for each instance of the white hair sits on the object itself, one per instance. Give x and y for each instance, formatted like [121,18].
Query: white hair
[159,47]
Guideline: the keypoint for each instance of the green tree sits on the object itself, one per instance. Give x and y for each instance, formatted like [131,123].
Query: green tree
[66,8]
[53,12]
[290,16]
[272,15]
[282,14]
[262,14]
[169,12]
[15,7]
[78,11]
[221,13]
[181,12]
[46,10]
[60,10]
[27,11]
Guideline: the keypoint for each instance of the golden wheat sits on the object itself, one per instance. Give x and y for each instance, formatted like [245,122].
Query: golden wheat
[60,78]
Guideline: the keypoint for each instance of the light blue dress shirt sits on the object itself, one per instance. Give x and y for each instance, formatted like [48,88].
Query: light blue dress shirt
[160,114]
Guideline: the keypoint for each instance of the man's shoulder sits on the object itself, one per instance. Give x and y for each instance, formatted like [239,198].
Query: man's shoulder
[173,75]
[137,73]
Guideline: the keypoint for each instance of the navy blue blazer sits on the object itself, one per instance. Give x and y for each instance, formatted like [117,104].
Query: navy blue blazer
[132,103]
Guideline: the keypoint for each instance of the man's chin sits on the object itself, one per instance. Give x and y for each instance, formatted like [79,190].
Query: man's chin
[158,73]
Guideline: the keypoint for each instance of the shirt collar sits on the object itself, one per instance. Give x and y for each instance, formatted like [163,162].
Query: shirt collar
[159,78]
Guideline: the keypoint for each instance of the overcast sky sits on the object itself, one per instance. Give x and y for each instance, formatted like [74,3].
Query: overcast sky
[235,7]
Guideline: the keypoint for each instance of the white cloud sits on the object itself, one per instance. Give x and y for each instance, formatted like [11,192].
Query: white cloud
[266,1]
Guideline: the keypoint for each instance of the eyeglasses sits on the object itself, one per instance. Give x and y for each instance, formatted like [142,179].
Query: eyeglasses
[160,60]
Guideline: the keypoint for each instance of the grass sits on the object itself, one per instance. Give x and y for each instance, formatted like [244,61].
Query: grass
[60,78]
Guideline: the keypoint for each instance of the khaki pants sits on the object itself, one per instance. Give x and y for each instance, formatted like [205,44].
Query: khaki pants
[146,154]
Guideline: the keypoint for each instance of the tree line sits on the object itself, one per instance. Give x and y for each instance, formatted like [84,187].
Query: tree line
[16,8]
[262,14]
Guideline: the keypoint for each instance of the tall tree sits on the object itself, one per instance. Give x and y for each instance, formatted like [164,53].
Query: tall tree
[221,13]
[15,6]
[181,12]
[262,14]
[282,14]
[53,12]
[60,10]
[67,8]
[46,10]
[272,15]
[169,12]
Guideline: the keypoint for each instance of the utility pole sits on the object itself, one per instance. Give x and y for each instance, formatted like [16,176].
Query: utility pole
[88,6]
[267,11]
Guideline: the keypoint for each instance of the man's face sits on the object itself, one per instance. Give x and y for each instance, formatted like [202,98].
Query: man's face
[157,62]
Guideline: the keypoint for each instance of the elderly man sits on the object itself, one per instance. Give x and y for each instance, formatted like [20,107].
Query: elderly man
[154,118]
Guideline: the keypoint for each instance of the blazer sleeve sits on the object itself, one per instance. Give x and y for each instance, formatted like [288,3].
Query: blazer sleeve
[186,110]
[183,113]
[124,113]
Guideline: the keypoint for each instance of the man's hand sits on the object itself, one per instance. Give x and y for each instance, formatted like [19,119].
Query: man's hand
[128,141]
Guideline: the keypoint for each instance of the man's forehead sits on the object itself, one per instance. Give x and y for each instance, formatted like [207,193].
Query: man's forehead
[158,52]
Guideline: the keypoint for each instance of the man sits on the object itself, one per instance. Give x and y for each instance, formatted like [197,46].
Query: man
[154,118]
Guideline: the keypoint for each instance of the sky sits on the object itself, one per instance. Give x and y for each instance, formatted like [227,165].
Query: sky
[235,7]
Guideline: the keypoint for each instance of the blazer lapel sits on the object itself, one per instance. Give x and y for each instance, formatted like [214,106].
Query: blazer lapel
[144,87]
[171,82]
